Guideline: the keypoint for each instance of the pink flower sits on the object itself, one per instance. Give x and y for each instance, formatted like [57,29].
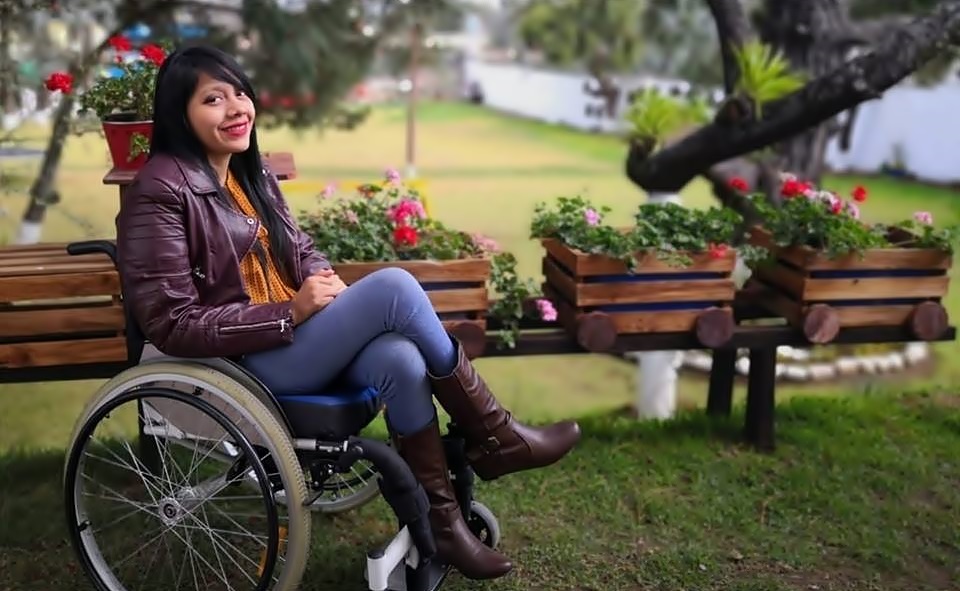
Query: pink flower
[546,309]
[924,217]
[328,191]
[485,243]
[418,209]
[351,216]
[406,209]
[831,201]
[853,209]
[592,217]
[392,175]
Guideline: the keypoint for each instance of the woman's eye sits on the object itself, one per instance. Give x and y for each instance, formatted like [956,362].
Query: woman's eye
[211,99]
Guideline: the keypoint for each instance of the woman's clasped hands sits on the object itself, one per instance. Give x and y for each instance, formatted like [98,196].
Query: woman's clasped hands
[317,291]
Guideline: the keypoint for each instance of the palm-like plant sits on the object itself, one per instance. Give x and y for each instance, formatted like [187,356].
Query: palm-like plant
[654,116]
[765,74]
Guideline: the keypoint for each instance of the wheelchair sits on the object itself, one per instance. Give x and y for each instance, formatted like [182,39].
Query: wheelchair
[218,492]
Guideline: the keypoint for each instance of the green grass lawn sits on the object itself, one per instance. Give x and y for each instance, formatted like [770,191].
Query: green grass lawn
[862,494]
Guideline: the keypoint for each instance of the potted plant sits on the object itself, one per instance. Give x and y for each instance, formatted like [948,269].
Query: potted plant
[670,272]
[123,102]
[827,268]
[386,225]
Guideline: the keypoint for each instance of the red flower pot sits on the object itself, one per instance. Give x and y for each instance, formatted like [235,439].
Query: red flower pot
[120,141]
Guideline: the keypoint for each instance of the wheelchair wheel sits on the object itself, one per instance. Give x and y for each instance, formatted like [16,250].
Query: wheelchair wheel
[217,503]
[483,523]
[345,492]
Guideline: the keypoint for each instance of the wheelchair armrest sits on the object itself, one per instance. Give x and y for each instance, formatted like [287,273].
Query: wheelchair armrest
[107,247]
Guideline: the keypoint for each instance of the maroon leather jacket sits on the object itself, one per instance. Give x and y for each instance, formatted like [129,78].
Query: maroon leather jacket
[180,246]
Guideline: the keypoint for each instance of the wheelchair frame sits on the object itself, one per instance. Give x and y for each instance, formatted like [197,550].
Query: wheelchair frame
[406,562]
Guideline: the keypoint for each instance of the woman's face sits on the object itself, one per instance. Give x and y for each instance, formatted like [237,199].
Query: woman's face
[222,116]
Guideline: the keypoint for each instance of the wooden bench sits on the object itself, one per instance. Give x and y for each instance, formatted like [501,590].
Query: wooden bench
[58,310]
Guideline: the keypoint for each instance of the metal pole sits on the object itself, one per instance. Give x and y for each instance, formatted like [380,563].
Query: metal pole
[415,42]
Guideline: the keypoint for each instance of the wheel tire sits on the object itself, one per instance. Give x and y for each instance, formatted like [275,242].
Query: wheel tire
[275,437]
[483,523]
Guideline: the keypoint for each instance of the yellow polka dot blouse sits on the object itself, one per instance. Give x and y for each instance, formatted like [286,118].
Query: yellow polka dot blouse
[261,278]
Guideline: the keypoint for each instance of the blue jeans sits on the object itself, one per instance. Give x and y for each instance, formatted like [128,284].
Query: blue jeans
[383,332]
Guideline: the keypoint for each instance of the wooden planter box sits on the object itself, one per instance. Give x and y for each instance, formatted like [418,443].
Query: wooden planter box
[597,298]
[57,309]
[456,288]
[887,287]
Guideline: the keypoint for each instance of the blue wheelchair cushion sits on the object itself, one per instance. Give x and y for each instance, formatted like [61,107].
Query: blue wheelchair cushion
[332,414]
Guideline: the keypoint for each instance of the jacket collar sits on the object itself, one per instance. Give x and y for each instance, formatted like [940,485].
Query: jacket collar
[195,176]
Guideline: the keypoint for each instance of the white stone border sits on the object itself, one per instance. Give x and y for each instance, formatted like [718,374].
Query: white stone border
[797,370]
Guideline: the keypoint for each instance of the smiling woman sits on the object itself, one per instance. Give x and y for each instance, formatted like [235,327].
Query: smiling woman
[213,265]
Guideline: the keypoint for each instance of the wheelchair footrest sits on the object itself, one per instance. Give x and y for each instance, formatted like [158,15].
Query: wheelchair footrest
[397,567]
[412,508]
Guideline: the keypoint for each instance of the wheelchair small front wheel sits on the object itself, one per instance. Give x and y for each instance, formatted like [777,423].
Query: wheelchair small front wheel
[483,523]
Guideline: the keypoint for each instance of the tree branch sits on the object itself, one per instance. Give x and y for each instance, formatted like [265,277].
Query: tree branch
[732,31]
[867,32]
[862,79]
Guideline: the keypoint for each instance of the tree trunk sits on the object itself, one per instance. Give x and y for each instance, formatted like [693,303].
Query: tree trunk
[811,35]
[8,76]
[42,193]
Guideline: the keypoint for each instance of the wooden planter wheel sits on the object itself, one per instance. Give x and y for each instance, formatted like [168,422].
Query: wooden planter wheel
[714,327]
[929,321]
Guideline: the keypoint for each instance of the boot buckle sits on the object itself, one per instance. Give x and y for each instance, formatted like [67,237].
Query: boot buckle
[491,444]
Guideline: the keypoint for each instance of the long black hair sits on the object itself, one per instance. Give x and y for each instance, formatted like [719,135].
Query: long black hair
[173,135]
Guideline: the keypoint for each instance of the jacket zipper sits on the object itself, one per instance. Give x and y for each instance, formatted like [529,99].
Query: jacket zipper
[282,323]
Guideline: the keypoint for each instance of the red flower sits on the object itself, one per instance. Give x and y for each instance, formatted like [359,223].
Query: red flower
[154,53]
[837,206]
[794,188]
[738,184]
[120,43]
[61,81]
[286,102]
[717,251]
[859,193]
[405,235]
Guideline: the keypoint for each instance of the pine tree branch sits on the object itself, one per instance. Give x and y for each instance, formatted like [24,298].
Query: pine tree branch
[732,31]
[891,60]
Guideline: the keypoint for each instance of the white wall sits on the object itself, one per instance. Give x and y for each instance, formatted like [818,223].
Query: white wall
[551,96]
[921,120]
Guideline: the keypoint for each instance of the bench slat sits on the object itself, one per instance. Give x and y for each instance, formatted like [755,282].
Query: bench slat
[40,354]
[27,323]
[58,285]
[54,269]
[40,247]
[47,258]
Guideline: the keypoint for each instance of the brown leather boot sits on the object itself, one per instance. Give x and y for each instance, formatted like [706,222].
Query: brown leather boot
[496,443]
[456,544]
